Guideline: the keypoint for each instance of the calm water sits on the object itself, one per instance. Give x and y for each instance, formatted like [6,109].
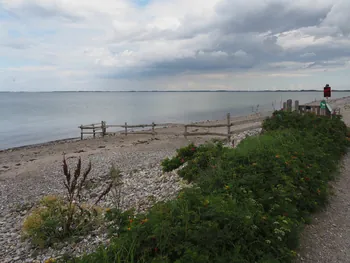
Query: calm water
[29,118]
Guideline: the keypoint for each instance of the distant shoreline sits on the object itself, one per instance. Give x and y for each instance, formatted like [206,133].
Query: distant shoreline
[168,91]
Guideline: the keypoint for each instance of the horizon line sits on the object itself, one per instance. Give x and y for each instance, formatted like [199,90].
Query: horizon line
[96,91]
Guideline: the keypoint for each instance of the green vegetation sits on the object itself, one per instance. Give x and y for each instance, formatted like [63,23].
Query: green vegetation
[56,219]
[47,224]
[248,204]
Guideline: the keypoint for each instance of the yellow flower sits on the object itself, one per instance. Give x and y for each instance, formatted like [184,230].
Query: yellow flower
[50,260]
[293,253]
[277,156]
[129,228]
[254,164]
[227,187]
[108,210]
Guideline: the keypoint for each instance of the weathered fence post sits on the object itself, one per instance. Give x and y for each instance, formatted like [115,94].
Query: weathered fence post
[81,132]
[103,127]
[93,130]
[289,105]
[153,131]
[228,127]
[126,129]
[296,106]
[284,106]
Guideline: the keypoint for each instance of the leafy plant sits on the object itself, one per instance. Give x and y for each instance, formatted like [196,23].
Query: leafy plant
[58,218]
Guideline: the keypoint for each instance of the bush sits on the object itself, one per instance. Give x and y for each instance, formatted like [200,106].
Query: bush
[249,204]
[47,223]
[184,154]
[56,218]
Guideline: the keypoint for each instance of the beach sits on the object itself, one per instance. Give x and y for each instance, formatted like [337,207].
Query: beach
[29,173]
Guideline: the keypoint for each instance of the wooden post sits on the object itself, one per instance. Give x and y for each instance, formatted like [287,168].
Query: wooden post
[289,105]
[284,106]
[153,131]
[103,128]
[318,111]
[126,129]
[81,132]
[296,106]
[93,130]
[228,127]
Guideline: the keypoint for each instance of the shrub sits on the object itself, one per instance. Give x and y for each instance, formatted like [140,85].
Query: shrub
[58,218]
[249,204]
[47,223]
[183,155]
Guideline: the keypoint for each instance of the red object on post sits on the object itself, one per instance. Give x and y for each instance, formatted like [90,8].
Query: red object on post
[327,91]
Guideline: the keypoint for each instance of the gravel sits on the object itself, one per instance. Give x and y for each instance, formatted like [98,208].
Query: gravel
[327,238]
[143,184]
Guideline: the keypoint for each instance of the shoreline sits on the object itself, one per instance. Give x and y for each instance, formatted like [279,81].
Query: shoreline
[30,172]
[118,133]
[172,125]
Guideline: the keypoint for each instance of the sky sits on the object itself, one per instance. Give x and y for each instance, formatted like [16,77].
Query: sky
[51,45]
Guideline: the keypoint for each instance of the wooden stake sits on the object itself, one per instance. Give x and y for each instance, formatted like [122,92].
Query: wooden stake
[228,127]
[126,129]
[284,106]
[289,105]
[153,131]
[103,129]
[296,106]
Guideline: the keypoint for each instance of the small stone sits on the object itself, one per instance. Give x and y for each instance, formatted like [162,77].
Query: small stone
[93,195]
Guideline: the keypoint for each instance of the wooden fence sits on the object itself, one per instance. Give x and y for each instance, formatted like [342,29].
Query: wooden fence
[101,128]
[316,109]
[228,125]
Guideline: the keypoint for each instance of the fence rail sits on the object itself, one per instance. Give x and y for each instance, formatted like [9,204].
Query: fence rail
[101,128]
[229,123]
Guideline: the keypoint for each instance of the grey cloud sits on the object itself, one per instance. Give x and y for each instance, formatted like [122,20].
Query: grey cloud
[253,29]
[240,35]
[273,16]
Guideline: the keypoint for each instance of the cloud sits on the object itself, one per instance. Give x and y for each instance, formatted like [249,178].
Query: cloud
[146,42]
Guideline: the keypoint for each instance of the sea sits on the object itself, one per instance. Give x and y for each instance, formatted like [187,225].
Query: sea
[28,118]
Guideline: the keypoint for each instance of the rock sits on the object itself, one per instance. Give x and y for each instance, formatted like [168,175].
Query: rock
[93,195]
